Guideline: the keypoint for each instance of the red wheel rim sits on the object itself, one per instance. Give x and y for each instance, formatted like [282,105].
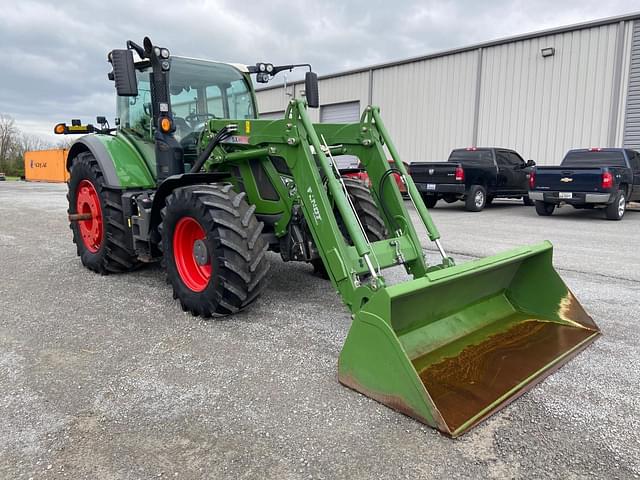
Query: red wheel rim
[88,201]
[194,276]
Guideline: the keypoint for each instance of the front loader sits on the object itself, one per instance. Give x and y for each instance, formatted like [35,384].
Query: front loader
[192,176]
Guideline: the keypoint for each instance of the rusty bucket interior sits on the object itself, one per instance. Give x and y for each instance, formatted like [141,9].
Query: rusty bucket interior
[466,340]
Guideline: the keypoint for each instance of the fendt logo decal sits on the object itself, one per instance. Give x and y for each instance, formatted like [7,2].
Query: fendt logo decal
[38,164]
[314,206]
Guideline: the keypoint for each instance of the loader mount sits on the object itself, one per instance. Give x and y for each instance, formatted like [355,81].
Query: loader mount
[204,182]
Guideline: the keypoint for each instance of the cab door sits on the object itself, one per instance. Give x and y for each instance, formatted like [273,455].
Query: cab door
[519,178]
[505,172]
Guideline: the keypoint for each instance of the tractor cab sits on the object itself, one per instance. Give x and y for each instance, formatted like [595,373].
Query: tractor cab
[199,90]
[167,100]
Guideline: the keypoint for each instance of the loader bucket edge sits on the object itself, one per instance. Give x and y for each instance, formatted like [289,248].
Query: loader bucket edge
[453,347]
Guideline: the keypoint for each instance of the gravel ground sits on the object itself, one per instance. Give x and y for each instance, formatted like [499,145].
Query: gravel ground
[106,377]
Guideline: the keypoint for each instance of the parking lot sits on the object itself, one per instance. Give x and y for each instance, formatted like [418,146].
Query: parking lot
[106,377]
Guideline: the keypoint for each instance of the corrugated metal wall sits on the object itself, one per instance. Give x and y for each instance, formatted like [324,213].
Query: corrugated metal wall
[540,106]
[428,106]
[632,117]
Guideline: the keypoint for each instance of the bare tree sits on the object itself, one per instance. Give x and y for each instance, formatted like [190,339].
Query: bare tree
[29,142]
[8,137]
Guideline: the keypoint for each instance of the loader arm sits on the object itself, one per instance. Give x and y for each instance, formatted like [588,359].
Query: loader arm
[355,269]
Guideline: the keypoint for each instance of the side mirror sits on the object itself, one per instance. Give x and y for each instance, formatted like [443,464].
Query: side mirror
[124,73]
[311,89]
[530,163]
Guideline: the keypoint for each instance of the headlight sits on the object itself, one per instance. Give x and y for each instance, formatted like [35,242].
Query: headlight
[164,53]
[262,67]
[269,68]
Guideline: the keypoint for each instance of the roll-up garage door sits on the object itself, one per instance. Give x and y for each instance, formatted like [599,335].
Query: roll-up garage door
[342,113]
[279,115]
[632,112]
[347,112]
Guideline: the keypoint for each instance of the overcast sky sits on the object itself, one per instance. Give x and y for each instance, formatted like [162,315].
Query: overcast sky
[53,54]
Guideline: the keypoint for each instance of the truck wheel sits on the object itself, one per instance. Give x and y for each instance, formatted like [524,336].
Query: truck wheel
[527,201]
[615,210]
[430,200]
[367,212]
[214,253]
[544,209]
[102,242]
[476,198]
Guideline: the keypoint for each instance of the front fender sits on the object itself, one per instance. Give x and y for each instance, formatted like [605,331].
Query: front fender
[121,164]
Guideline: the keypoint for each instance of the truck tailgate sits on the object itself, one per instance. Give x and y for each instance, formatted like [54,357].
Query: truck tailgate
[434,172]
[569,179]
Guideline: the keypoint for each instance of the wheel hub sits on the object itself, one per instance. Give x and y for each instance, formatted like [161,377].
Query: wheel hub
[200,252]
[621,206]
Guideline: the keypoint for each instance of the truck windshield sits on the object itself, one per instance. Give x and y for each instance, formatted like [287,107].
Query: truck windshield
[587,158]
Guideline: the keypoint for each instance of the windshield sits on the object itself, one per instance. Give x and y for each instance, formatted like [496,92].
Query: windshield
[200,91]
[587,158]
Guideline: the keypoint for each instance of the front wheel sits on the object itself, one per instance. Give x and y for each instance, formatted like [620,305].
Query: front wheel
[213,250]
[476,198]
[544,209]
[615,210]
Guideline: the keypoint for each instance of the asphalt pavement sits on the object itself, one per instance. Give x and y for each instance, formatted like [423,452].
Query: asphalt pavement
[105,377]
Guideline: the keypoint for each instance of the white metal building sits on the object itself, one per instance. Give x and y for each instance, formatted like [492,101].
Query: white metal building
[541,94]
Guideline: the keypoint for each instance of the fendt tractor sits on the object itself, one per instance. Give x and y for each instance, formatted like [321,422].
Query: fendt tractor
[191,176]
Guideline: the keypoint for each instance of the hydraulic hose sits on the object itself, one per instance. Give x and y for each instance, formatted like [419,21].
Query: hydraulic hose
[224,133]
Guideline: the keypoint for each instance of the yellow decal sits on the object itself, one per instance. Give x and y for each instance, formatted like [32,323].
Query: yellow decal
[247,127]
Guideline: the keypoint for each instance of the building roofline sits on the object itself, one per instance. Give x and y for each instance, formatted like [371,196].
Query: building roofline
[490,43]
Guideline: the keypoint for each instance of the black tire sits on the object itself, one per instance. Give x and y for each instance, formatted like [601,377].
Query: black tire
[527,201]
[544,209]
[113,254]
[615,210]
[367,212]
[430,200]
[476,198]
[235,249]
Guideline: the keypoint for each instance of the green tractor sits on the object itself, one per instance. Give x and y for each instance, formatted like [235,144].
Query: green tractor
[191,176]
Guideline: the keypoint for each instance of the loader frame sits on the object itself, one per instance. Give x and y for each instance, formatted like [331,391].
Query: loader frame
[308,150]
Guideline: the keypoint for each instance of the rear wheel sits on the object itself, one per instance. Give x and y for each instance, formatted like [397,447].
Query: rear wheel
[367,212]
[102,241]
[214,252]
[544,209]
[615,210]
[476,198]
[430,200]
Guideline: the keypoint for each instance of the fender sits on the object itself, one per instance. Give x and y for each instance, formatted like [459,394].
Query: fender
[167,187]
[121,164]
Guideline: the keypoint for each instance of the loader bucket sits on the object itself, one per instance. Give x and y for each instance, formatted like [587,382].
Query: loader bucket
[451,348]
